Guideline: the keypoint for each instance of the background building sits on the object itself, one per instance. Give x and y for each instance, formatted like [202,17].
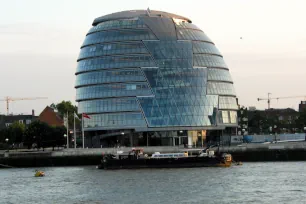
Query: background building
[7,120]
[52,118]
[152,78]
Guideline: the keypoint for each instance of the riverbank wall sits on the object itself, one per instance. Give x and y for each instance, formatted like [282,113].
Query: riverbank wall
[295,151]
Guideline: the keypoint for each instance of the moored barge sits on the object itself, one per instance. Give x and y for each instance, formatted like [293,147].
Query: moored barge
[136,160]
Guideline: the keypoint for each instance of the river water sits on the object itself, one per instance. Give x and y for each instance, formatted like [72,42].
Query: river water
[273,182]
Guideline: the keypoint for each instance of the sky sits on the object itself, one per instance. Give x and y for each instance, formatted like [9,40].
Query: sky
[263,43]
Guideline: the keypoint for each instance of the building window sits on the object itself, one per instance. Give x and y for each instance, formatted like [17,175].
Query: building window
[7,124]
[21,121]
[28,121]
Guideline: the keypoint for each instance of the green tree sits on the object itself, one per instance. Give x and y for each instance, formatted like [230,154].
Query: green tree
[36,133]
[65,107]
[17,130]
[14,133]
[301,120]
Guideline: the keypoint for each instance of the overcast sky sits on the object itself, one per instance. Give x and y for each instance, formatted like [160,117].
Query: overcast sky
[40,42]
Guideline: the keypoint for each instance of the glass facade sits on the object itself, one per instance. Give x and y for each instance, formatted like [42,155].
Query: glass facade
[118,35]
[118,24]
[120,61]
[112,49]
[128,78]
[109,76]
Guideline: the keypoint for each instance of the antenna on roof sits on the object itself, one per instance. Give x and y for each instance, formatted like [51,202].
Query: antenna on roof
[148,11]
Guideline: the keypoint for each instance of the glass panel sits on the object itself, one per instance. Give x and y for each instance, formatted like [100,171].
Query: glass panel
[118,24]
[206,60]
[185,24]
[109,76]
[227,103]
[204,47]
[115,62]
[108,105]
[171,54]
[118,35]
[219,75]
[112,49]
[180,110]
[220,88]
[115,120]
[189,34]
[225,118]
[233,116]
[113,90]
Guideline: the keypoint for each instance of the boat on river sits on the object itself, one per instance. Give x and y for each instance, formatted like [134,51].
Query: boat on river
[136,159]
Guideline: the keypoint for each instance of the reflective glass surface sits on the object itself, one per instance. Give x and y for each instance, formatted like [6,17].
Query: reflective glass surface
[108,105]
[124,69]
[175,110]
[113,90]
[233,116]
[112,49]
[115,120]
[109,76]
[227,117]
[166,82]
[190,34]
[118,24]
[206,60]
[204,48]
[220,88]
[171,54]
[115,62]
[118,35]
[226,102]
[184,24]
[218,75]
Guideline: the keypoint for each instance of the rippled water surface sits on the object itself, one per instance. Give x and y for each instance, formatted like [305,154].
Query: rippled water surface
[280,182]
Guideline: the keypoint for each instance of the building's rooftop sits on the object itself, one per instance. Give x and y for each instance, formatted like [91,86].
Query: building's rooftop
[136,13]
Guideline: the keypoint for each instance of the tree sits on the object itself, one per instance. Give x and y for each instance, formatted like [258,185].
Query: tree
[17,130]
[64,107]
[14,133]
[36,133]
[301,120]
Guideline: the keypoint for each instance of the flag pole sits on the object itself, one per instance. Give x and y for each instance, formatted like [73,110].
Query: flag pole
[83,130]
[74,133]
[67,131]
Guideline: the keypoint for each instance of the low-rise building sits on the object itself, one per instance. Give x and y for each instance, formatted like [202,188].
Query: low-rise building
[7,120]
[52,118]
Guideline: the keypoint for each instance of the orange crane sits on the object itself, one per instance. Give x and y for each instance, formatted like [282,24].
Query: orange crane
[10,99]
[277,98]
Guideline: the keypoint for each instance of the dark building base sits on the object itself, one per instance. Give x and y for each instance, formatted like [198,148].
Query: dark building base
[183,138]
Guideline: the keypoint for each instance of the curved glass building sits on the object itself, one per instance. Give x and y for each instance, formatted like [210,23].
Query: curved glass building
[152,78]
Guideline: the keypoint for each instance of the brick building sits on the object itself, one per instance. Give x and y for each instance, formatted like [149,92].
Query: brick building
[52,118]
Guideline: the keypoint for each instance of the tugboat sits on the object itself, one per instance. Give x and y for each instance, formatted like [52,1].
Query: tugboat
[136,159]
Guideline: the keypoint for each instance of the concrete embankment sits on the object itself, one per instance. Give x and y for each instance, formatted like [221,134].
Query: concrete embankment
[295,151]
[290,151]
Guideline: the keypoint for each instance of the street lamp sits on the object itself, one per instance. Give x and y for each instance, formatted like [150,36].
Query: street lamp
[6,140]
[65,136]
[275,133]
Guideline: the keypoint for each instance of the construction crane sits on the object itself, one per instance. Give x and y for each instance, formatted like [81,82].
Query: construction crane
[10,99]
[277,98]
